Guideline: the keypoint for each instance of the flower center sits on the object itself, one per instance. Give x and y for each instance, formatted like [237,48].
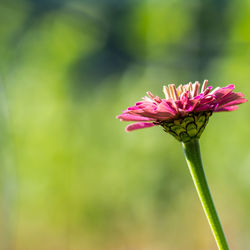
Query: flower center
[171,92]
[187,128]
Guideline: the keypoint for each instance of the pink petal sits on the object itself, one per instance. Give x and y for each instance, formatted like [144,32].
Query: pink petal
[235,102]
[134,107]
[204,107]
[135,118]
[221,92]
[165,107]
[230,97]
[157,99]
[230,108]
[139,125]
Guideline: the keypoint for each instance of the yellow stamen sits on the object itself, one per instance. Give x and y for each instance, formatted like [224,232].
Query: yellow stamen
[196,89]
[185,88]
[190,87]
[180,90]
[150,95]
[204,86]
[173,92]
[166,92]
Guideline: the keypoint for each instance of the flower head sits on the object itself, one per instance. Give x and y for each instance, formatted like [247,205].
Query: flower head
[184,112]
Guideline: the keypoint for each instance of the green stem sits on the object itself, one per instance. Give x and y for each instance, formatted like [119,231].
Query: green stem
[193,158]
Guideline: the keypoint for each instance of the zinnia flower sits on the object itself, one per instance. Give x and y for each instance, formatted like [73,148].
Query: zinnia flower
[184,112]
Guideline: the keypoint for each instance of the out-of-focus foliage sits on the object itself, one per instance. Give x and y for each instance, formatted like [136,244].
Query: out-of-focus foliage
[70,177]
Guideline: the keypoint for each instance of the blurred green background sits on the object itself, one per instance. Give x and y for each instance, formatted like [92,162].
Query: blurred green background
[70,177]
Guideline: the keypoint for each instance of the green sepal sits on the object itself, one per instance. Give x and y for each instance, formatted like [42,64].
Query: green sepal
[189,127]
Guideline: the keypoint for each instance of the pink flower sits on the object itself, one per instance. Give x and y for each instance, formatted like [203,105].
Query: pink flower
[181,102]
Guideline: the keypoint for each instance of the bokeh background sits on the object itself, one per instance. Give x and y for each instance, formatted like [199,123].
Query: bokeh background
[70,177]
